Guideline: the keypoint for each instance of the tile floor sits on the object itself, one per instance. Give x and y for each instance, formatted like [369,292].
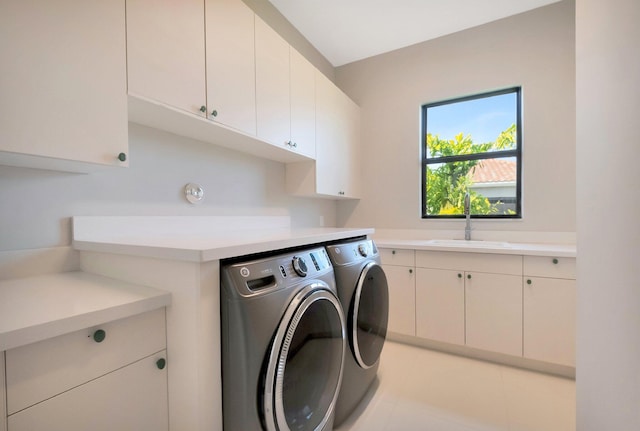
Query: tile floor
[424,390]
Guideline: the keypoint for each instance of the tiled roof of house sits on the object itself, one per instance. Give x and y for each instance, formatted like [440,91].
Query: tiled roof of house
[494,171]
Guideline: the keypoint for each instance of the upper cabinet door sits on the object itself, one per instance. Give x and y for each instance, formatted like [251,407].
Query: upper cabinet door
[63,84]
[165,52]
[272,86]
[231,76]
[303,104]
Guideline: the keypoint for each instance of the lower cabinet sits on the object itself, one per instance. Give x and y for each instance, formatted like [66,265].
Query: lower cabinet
[521,306]
[399,268]
[549,306]
[109,377]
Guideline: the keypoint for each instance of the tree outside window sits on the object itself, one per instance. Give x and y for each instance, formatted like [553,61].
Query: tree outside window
[472,145]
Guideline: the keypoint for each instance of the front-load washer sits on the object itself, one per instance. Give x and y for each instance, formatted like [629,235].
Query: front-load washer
[363,292]
[283,342]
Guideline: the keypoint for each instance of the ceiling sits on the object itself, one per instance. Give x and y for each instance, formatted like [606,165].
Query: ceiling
[345,31]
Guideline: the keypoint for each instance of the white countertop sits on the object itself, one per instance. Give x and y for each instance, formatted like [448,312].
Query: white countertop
[36,308]
[479,246]
[196,239]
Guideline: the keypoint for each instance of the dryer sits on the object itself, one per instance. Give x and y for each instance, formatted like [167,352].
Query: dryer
[283,342]
[364,295]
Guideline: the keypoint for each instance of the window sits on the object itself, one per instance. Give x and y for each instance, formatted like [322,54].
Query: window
[472,145]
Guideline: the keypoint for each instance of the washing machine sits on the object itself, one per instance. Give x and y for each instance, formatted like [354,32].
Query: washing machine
[364,295]
[283,342]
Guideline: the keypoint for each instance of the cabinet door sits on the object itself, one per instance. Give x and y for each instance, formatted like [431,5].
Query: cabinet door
[337,140]
[231,74]
[440,305]
[303,104]
[63,82]
[402,299]
[272,86]
[165,52]
[132,398]
[494,312]
[550,320]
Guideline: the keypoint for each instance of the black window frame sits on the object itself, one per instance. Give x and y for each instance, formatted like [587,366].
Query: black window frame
[517,153]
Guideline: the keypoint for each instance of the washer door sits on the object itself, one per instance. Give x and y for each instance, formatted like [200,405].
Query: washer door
[370,313]
[305,362]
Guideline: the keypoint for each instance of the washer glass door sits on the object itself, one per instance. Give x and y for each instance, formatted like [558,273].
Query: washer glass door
[368,326]
[305,366]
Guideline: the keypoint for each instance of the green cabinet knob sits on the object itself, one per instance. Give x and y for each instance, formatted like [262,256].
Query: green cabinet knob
[555,261]
[122,157]
[161,363]
[529,281]
[99,336]
[203,108]
[393,252]
[214,113]
[469,276]
[459,275]
[410,271]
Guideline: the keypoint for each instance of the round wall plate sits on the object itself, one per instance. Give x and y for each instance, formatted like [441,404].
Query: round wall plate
[194,193]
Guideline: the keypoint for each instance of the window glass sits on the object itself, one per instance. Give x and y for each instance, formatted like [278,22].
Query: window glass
[472,146]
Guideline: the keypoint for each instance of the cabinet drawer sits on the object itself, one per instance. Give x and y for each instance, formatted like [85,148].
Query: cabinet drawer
[128,399]
[477,262]
[552,267]
[397,256]
[41,370]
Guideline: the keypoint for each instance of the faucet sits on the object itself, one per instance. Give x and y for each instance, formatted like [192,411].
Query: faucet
[467,214]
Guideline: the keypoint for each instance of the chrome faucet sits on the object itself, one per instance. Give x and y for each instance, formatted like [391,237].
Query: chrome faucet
[467,214]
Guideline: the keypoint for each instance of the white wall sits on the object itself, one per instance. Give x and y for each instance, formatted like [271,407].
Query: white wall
[608,202]
[36,206]
[534,50]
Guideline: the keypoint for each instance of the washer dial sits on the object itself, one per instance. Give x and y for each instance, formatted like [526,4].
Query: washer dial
[300,266]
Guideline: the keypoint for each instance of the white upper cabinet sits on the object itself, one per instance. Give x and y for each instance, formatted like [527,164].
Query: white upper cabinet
[303,104]
[336,170]
[272,86]
[231,75]
[166,52]
[63,84]
[337,140]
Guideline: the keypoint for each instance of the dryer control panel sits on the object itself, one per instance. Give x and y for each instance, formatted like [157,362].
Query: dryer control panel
[352,252]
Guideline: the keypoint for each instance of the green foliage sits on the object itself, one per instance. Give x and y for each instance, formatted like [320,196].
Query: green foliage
[448,183]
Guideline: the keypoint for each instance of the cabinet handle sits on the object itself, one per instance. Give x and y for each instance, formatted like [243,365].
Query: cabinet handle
[295,145]
[122,157]
[469,276]
[161,363]
[555,261]
[203,108]
[393,252]
[459,275]
[341,192]
[99,336]
[529,281]
[411,271]
[214,113]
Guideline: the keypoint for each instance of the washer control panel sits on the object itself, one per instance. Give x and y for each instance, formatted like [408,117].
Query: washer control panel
[274,272]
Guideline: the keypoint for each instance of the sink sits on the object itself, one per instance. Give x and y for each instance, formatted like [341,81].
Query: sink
[469,243]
